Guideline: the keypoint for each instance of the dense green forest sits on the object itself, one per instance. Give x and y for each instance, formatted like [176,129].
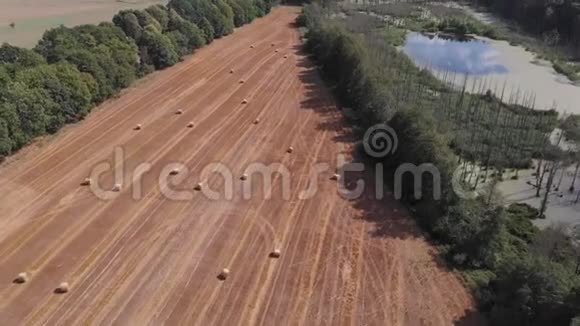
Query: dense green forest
[520,275]
[71,70]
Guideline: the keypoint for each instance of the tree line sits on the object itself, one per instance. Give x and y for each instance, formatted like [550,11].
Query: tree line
[73,69]
[520,275]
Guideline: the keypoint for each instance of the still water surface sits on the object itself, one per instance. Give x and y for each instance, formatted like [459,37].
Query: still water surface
[464,56]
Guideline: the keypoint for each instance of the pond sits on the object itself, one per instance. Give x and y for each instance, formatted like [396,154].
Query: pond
[497,64]
[464,56]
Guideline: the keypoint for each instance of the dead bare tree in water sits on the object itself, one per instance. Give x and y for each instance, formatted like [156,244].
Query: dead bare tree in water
[571,188]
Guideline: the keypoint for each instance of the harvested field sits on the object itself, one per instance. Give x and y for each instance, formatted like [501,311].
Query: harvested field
[32,18]
[147,259]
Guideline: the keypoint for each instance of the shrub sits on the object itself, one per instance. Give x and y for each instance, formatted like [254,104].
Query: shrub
[195,36]
[67,87]
[103,51]
[207,29]
[160,14]
[199,10]
[160,51]
[569,70]
[23,58]
[530,291]
[478,281]
[128,22]
[240,17]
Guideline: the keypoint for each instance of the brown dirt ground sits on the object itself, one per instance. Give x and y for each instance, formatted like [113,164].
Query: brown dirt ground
[155,260]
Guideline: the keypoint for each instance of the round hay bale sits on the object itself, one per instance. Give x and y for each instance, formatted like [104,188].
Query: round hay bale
[86,182]
[12,25]
[272,44]
[179,112]
[116,188]
[275,254]
[276,50]
[190,125]
[335,177]
[252,46]
[290,149]
[174,172]
[231,71]
[62,288]
[242,81]
[21,278]
[138,127]
[198,186]
[256,121]
[244,177]
[244,101]
[224,274]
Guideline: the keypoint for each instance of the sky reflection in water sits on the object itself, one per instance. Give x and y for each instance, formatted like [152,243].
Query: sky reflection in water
[472,57]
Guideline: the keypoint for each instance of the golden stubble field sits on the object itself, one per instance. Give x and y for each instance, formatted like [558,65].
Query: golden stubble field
[32,17]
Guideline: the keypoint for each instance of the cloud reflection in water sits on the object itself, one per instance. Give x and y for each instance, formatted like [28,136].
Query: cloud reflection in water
[472,57]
